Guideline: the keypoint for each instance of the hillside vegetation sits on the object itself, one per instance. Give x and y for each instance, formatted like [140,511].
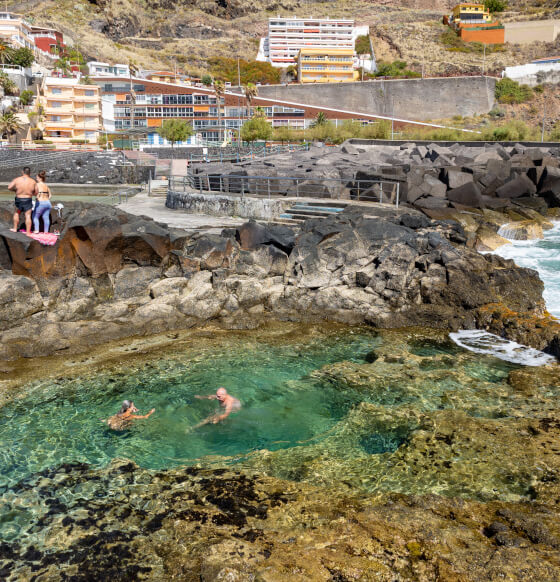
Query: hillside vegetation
[166,33]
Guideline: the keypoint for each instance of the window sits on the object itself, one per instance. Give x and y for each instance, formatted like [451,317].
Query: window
[56,104]
[89,93]
[108,88]
[56,91]
[90,134]
[90,105]
[56,118]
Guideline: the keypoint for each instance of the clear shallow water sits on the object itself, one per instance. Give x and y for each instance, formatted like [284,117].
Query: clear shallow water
[543,256]
[282,407]
[322,406]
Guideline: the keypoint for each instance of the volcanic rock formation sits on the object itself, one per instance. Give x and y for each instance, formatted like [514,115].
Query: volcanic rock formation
[113,275]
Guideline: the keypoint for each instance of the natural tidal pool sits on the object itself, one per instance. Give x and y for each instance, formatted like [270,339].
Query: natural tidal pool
[404,410]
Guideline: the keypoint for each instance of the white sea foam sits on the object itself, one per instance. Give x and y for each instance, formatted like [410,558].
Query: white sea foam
[544,257]
[482,342]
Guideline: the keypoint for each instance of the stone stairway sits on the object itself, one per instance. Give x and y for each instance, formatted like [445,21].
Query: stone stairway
[301,211]
[158,188]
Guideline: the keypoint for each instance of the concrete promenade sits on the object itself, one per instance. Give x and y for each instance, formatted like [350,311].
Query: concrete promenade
[155,208]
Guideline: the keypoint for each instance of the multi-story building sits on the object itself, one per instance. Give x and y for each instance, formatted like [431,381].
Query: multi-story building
[99,69]
[470,13]
[287,36]
[16,31]
[326,65]
[48,41]
[72,110]
[139,106]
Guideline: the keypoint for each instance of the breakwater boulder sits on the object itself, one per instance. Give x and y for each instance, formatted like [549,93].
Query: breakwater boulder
[112,275]
[431,176]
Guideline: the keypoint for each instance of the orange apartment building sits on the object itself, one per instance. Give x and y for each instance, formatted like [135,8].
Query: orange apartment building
[72,110]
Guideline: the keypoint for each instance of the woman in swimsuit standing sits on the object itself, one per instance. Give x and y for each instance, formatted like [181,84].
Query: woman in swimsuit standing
[43,206]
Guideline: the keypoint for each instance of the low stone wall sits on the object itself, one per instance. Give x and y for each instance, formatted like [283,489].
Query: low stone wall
[219,205]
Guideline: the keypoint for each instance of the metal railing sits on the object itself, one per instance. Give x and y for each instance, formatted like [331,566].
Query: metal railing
[42,158]
[122,196]
[290,186]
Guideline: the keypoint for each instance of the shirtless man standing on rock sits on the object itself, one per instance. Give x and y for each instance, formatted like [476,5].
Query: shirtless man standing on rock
[24,187]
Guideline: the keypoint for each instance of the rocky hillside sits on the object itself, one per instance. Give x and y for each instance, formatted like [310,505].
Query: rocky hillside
[157,33]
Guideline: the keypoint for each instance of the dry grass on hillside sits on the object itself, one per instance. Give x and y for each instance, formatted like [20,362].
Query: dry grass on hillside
[163,33]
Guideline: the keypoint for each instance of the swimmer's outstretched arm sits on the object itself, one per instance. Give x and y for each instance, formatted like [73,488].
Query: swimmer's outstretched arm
[144,415]
[210,397]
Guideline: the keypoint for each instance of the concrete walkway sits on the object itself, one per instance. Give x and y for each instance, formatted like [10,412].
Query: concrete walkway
[155,208]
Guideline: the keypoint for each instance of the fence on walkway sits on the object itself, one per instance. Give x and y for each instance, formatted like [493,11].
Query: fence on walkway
[291,186]
[247,153]
[30,158]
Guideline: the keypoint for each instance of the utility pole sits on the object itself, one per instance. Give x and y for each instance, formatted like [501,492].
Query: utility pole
[392,119]
[239,105]
[543,121]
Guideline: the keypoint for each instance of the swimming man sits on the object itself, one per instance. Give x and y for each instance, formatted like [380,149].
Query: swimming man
[227,401]
[123,419]
[25,188]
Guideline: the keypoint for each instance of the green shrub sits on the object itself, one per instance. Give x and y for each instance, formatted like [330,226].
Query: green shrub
[512,131]
[554,135]
[79,141]
[496,112]
[509,91]
[42,141]
[362,46]
[495,5]
[394,69]
[26,97]
[538,89]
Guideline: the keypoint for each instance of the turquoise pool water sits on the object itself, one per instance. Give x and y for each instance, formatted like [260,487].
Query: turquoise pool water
[282,407]
[343,408]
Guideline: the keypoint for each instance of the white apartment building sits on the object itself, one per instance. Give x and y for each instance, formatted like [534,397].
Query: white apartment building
[16,31]
[98,69]
[286,36]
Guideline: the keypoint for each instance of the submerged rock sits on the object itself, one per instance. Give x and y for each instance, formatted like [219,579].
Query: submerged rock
[126,523]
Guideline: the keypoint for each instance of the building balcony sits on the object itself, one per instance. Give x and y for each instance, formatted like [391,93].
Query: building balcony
[86,98]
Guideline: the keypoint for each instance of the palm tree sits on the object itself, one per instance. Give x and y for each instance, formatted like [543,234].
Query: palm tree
[321,119]
[63,65]
[6,52]
[251,91]
[219,90]
[9,124]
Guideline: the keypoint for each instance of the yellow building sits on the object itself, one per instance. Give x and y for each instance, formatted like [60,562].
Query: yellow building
[326,65]
[72,111]
[467,13]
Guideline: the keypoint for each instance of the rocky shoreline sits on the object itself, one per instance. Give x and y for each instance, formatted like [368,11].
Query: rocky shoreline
[113,275]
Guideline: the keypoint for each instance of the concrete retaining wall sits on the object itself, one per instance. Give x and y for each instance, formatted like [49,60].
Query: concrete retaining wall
[415,99]
[220,205]
[527,31]
[533,74]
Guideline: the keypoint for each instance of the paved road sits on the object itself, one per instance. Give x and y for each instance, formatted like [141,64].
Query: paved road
[142,204]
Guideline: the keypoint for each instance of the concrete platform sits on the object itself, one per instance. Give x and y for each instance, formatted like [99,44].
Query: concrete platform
[155,208]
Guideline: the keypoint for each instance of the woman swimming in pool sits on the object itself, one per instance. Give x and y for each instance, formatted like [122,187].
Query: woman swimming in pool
[123,418]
